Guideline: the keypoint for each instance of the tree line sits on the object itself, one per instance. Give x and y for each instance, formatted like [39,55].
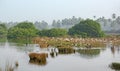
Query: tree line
[27,30]
[107,24]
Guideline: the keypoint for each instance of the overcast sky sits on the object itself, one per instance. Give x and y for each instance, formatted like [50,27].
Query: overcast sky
[38,10]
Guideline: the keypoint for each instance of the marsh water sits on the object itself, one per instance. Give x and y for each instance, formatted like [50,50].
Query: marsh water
[81,60]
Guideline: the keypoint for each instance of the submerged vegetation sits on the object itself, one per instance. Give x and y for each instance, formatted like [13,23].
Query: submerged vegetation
[64,50]
[115,66]
[89,52]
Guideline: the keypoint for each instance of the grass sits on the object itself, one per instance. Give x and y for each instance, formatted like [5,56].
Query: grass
[9,67]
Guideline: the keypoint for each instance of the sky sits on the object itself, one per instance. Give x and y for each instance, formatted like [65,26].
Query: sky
[49,10]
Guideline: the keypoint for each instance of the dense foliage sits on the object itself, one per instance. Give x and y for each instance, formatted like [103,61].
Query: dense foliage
[55,32]
[3,30]
[86,28]
[24,30]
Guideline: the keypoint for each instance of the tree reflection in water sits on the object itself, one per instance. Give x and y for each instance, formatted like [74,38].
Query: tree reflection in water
[66,50]
[53,54]
[115,66]
[89,53]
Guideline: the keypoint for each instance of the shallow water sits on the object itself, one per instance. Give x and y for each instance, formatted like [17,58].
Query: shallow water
[79,61]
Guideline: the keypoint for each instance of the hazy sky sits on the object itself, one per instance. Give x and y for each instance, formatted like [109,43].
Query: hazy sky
[38,10]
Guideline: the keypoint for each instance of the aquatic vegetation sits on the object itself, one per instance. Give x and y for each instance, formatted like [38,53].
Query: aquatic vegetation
[64,50]
[16,64]
[38,58]
[53,54]
[70,42]
[115,66]
[41,41]
[114,40]
[89,52]
[10,67]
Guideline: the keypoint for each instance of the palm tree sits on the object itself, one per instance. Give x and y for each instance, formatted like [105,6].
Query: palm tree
[113,16]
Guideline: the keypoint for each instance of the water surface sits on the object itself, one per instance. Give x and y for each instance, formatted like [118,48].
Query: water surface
[81,60]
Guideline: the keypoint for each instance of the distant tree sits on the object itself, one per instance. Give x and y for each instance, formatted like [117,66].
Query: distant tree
[74,20]
[86,28]
[44,24]
[113,22]
[66,23]
[118,20]
[58,24]
[103,17]
[94,17]
[55,32]
[113,16]
[53,23]
[41,25]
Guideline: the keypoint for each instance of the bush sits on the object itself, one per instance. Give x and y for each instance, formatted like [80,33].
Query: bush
[86,28]
[55,32]
[23,31]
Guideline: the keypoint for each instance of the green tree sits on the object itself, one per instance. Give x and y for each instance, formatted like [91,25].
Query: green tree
[3,32]
[86,28]
[55,32]
[23,31]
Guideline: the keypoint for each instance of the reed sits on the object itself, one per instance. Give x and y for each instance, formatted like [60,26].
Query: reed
[9,66]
